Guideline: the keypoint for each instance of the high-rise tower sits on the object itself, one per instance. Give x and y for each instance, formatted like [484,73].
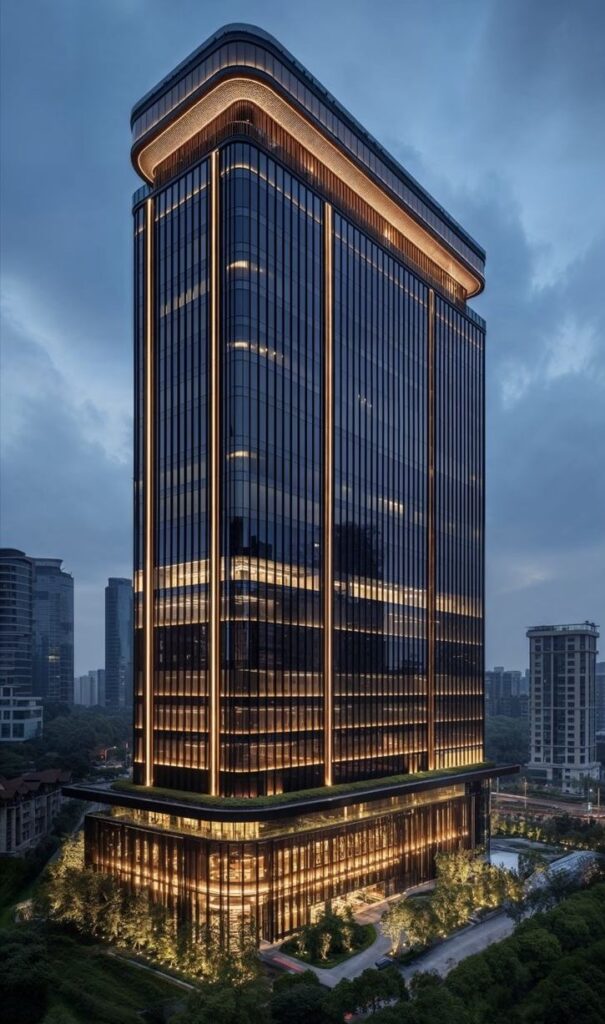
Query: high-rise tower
[118,643]
[16,618]
[308,504]
[563,704]
[53,625]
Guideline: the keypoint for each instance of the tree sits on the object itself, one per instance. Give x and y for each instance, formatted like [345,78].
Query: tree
[372,988]
[222,1002]
[284,982]
[433,1003]
[301,1004]
[340,1001]
[324,944]
[530,862]
[538,949]
[332,934]
[469,977]
[507,740]
[24,976]
[392,926]
[575,1003]
[410,922]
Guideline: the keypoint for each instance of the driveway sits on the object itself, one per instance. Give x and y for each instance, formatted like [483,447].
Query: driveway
[330,976]
[473,939]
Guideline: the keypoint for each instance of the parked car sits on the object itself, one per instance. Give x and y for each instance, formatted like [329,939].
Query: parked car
[382,962]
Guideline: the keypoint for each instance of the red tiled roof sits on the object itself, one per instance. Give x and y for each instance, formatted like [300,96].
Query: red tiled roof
[31,782]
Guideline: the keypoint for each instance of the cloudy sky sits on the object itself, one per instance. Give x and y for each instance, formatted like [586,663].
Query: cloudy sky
[497,106]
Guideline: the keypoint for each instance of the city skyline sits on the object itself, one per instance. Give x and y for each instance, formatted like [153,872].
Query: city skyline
[537,208]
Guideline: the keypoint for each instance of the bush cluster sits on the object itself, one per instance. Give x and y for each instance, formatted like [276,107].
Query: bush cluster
[562,829]
[93,904]
[332,936]
[464,883]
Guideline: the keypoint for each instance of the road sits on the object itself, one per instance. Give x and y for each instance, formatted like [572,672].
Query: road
[517,802]
[473,939]
[330,976]
[442,959]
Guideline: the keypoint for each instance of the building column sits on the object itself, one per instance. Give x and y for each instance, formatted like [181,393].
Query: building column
[149,490]
[328,498]
[214,704]
[431,570]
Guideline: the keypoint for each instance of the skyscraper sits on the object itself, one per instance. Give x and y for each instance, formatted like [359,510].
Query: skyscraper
[16,596]
[600,696]
[562,704]
[309,510]
[53,630]
[89,689]
[118,643]
[504,693]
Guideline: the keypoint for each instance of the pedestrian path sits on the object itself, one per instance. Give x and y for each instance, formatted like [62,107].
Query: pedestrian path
[350,968]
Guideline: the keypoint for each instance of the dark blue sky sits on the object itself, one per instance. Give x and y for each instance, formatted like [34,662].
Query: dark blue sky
[496,106]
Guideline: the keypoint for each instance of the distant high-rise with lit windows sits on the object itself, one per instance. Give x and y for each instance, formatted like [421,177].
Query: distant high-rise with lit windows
[563,704]
[309,505]
[53,631]
[118,643]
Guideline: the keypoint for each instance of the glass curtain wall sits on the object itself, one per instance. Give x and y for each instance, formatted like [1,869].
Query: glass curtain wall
[272,448]
[271,712]
[180,723]
[380,494]
[138,538]
[459,472]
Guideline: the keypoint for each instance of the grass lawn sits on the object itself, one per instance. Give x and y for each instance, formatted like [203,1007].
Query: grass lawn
[299,796]
[370,937]
[90,987]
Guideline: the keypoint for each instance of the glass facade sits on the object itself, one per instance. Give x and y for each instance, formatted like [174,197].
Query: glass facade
[407,587]
[265,55]
[180,543]
[118,643]
[271,714]
[53,622]
[309,430]
[16,625]
[281,877]
[380,528]
[459,425]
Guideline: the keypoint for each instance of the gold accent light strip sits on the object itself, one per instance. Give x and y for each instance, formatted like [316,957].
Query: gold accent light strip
[243,568]
[215,482]
[149,416]
[430,682]
[213,103]
[328,488]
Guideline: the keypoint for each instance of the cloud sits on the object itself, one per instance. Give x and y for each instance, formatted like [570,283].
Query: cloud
[42,357]
[66,465]
[494,107]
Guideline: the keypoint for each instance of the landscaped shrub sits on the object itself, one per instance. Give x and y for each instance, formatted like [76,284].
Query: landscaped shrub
[332,936]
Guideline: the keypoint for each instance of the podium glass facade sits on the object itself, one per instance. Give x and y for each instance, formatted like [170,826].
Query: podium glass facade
[308,479]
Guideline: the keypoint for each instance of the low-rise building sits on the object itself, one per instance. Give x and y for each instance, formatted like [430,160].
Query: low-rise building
[20,714]
[28,806]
